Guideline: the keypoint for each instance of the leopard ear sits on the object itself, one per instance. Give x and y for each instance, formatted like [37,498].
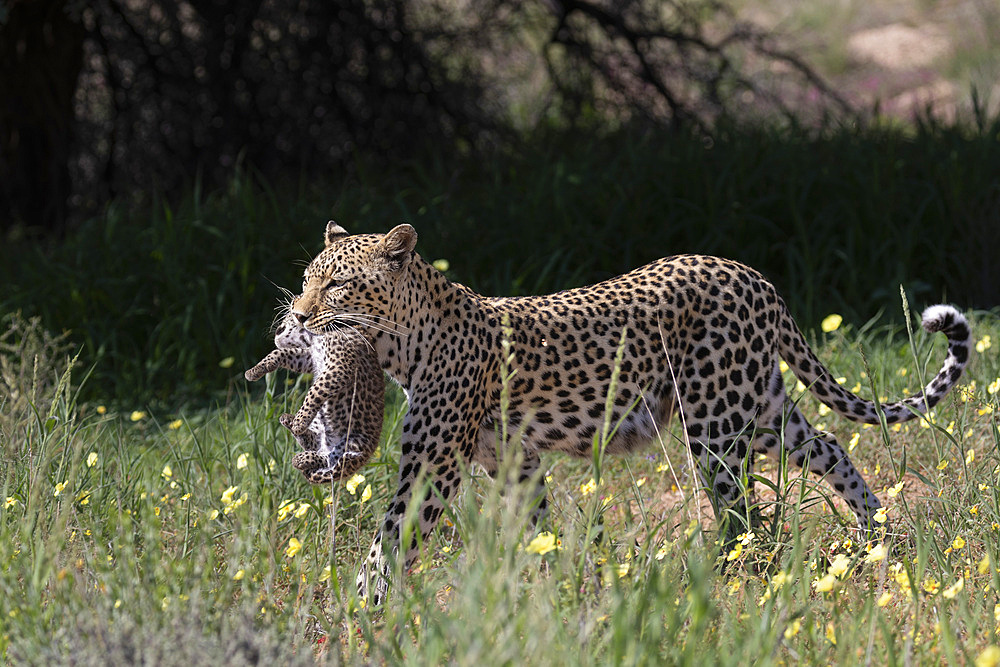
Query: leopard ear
[333,232]
[397,246]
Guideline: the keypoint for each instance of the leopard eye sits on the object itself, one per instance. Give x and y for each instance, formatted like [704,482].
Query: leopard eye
[335,282]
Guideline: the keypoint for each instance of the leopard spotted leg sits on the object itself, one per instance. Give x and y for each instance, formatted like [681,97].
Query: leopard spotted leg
[424,458]
[298,360]
[540,493]
[823,456]
[308,440]
[332,386]
[725,471]
[486,456]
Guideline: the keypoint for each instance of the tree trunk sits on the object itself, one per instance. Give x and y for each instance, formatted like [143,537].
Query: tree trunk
[41,53]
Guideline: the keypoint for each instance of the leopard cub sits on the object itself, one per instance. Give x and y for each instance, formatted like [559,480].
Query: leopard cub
[339,423]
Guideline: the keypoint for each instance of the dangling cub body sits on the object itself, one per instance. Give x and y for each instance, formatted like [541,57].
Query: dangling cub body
[702,334]
[340,421]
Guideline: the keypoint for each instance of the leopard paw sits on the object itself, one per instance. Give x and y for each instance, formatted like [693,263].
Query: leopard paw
[308,461]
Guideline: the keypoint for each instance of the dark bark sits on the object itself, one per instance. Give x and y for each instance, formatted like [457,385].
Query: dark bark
[41,53]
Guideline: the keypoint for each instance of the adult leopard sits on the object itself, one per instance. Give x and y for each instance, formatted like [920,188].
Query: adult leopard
[702,334]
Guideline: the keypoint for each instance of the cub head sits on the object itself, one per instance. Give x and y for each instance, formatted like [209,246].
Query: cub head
[291,334]
[354,280]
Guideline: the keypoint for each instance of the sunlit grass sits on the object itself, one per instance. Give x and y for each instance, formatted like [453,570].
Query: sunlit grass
[126,532]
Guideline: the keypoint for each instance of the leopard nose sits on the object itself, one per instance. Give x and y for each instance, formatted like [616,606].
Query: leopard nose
[301,317]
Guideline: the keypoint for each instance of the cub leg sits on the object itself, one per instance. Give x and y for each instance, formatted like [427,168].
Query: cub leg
[298,360]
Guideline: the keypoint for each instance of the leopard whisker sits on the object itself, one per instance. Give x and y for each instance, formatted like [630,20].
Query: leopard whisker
[365,320]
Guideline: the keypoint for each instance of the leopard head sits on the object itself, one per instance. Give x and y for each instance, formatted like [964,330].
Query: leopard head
[354,280]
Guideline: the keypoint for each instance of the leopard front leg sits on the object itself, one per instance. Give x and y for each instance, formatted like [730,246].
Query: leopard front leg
[424,459]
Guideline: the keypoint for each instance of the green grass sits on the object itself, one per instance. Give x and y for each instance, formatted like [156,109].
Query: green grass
[138,557]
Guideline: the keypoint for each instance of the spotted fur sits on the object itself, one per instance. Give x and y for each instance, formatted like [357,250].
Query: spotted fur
[339,423]
[703,335]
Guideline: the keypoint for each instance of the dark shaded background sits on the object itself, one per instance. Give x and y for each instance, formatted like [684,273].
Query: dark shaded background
[118,100]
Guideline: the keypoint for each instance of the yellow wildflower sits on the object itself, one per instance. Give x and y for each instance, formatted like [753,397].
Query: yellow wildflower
[884,599]
[441,265]
[227,495]
[931,585]
[301,511]
[83,497]
[839,565]
[137,415]
[793,629]
[877,553]
[894,490]
[241,461]
[782,366]
[824,584]
[831,323]
[984,565]
[943,464]
[974,510]
[286,508]
[623,570]
[589,487]
[957,543]
[990,657]
[214,514]
[993,387]
[91,459]
[10,502]
[746,538]
[167,472]
[831,634]
[970,456]
[59,488]
[954,589]
[880,515]
[244,497]
[735,553]
[366,495]
[352,483]
[542,544]
[227,362]
[983,344]
[175,424]
[855,437]
[294,546]
[101,410]
[325,574]
[239,575]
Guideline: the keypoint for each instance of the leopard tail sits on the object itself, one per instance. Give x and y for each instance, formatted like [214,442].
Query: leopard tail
[800,358]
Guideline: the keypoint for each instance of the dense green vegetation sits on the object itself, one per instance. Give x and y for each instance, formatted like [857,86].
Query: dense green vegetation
[837,221]
[150,512]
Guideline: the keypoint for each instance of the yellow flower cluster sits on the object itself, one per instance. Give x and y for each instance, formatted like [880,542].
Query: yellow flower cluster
[230,504]
[542,544]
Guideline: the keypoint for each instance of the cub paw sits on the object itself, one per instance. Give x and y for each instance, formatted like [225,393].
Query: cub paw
[308,461]
[255,373]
